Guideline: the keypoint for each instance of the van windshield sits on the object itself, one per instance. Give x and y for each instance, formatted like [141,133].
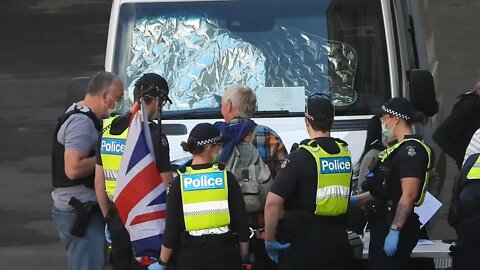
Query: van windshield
[283,50]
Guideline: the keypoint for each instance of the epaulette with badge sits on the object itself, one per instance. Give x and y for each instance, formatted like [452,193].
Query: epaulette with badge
[342,142]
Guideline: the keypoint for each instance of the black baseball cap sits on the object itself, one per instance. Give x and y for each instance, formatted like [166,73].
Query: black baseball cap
[153,85]
[397,106]
[319,107]
[206,133]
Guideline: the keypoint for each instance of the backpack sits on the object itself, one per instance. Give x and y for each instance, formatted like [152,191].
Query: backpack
[465,194]
[252,174]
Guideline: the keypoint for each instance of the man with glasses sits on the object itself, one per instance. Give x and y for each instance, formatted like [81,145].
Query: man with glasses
[312,188]
[73,167]
[153,89]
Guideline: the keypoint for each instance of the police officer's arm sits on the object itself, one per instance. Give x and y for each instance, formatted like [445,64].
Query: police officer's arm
[163,158]
[238,213]
[100,182]
[410,192]
[167,178]
[273,210]
[282,188]
[100,190]
[413,163]
[174,222]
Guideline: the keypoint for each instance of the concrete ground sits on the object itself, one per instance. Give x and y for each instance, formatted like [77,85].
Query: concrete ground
[44,43]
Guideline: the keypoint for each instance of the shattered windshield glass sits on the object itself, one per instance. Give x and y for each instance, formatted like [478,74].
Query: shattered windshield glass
[201,48]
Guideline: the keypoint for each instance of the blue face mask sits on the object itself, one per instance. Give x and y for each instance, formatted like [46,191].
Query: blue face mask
[387,132]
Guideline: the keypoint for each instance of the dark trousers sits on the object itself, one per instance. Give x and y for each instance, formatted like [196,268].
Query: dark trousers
[123,258]
[210,252]
[379,229]
[465,254]
[320,248]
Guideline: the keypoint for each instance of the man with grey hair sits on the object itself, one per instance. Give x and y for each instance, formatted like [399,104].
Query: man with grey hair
[75,210]
[238,105]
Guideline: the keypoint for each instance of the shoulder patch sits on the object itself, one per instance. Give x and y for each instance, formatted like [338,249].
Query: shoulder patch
[411,150]
[285,163]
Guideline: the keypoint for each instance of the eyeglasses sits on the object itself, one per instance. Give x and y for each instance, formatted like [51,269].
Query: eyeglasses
[155,98]
[161,94]
[116,102]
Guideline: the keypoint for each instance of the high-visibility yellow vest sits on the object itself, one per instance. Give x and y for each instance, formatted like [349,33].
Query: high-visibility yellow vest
[111,151]
[204,198]
[387,152]
[334,178]
[474,172]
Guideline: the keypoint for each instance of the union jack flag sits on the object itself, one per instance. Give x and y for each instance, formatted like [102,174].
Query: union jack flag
[140,195]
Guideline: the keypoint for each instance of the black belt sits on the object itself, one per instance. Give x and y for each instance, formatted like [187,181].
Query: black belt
[208,239]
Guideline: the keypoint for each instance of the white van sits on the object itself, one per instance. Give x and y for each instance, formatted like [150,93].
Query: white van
[360,52]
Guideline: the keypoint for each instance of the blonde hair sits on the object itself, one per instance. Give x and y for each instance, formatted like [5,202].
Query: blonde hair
[242,98]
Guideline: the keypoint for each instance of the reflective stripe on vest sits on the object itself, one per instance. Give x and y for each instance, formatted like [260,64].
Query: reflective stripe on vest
[474,172]
[111,151]
[204,198]
[387,152]
[334,179]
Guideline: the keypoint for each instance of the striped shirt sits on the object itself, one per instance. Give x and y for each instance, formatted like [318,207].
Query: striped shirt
[269,144]
[474,145]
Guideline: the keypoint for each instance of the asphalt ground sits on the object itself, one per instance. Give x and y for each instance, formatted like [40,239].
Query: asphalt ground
[44,43]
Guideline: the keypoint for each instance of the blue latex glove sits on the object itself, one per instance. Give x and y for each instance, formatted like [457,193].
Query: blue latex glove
[107,234]
[156,266]
[273,249]
[391,242]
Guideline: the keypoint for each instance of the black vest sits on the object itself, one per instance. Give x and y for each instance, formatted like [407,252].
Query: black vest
[59,179]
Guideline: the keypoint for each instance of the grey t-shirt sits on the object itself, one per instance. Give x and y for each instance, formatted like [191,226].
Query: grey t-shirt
[77,133]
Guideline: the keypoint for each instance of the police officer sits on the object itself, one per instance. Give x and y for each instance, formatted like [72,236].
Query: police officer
[313,186]
[153,89]
[206,217]
[464,215]
[397,185]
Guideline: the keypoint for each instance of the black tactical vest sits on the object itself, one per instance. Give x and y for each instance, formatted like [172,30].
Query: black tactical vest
[59,179]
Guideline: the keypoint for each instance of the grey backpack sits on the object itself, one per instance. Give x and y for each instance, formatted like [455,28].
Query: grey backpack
[252,174]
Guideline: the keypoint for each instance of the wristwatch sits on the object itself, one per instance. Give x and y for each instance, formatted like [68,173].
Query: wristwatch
[394,227]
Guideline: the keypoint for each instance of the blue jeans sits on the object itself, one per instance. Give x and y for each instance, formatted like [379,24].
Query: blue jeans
[87,252]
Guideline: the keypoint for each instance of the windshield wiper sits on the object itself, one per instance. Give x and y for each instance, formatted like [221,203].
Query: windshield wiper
[208,113]
[202,113]
[279,113]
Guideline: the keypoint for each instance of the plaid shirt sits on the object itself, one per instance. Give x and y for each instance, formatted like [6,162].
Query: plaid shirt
[270,146]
